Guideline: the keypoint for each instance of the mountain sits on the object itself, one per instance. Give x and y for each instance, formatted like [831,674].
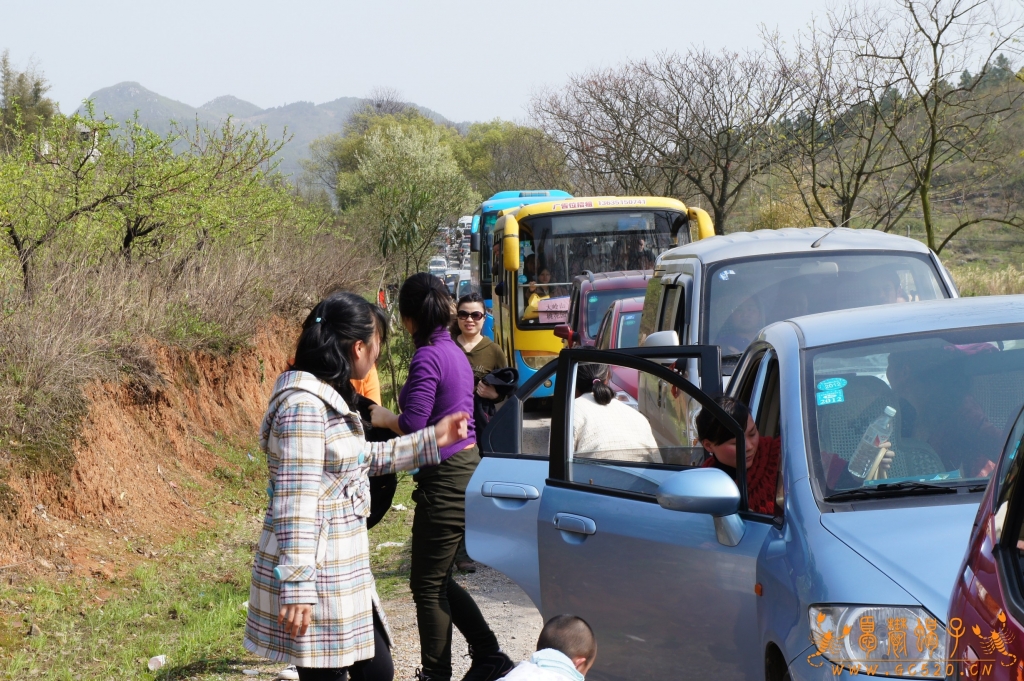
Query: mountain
[302,121]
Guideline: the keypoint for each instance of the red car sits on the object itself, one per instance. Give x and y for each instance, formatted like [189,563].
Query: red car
[589,299]
[620,328]
[985,636]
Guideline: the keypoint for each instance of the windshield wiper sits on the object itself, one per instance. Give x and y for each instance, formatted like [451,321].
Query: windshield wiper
[890,489]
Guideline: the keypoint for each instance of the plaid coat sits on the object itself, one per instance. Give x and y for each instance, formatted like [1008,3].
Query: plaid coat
[314,547]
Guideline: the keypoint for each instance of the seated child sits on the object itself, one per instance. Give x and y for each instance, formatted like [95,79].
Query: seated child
[565,650]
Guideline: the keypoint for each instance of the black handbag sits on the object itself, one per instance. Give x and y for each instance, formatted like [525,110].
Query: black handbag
[505,381]
[382,487]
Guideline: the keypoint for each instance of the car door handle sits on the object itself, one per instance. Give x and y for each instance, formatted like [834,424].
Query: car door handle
[569,522]
[508,490]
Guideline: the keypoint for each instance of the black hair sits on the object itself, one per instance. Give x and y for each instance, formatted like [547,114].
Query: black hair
[570,635]
[710,428]
[472,297]
[424,299]
[325,345]
[590,378]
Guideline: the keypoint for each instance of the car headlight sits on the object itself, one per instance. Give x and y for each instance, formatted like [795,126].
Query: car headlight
[878,640]
[537,359]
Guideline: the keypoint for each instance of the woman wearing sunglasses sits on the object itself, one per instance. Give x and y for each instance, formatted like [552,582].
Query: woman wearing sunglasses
[484,355]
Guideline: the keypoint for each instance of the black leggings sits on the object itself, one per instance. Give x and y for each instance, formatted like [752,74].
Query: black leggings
[378,668]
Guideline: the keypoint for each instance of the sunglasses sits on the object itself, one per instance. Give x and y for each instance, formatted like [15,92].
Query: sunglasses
[475,316]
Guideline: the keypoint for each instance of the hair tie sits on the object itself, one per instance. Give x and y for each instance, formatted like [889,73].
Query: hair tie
[596,381]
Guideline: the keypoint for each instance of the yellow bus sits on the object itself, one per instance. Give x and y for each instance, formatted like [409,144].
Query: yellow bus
[539,248]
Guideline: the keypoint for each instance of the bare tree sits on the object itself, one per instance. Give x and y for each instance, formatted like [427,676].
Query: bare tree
[841,158]
[936,115]
[387,101]
[603,121]
[699,123]
[718,111]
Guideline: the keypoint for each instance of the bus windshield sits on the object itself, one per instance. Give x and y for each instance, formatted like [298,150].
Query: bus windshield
[555,248]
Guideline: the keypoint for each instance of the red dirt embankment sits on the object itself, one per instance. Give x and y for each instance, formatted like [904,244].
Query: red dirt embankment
[140,463]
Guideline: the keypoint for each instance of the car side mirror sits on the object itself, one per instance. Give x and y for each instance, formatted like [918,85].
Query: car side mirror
[709,491]
[662,339]
[564,331]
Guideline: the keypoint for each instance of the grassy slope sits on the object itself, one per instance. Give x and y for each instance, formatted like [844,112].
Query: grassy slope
[186,604]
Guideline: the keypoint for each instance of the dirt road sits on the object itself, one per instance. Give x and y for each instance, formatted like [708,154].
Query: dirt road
[508,610]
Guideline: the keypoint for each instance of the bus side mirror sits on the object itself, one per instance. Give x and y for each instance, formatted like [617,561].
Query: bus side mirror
[499,289]
[705,226]
[564,331]
[509,242]
[474,242]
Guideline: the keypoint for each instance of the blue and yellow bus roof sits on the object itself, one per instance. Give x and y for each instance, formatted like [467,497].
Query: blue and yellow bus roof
[516,198]
[705,227]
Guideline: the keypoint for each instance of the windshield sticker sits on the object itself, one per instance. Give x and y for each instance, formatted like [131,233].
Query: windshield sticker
[592,299]
[570,205]
[724,274]
[830,397]
[832,384]
[622,202]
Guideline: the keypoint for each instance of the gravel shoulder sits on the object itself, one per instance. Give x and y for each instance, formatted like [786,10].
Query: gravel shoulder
[508,610]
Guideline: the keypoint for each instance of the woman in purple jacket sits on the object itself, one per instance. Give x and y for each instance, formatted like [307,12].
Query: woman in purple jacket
[440,383]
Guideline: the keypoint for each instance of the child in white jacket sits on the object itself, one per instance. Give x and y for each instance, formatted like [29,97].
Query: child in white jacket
[565,651]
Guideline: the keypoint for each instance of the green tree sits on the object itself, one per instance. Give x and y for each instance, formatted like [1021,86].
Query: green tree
[500,155]
[23,104]
[410,185]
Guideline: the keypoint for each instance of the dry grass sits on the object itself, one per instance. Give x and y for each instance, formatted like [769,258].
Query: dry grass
[973,280]
[90,319]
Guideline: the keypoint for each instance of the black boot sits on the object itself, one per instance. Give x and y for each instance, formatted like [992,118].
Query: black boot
[488,666]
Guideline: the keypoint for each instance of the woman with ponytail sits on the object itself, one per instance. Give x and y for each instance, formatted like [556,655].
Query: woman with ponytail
[440,383]
[605,427]
[313,603]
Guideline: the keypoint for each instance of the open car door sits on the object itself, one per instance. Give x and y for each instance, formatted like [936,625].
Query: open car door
[636,537]
[503,496]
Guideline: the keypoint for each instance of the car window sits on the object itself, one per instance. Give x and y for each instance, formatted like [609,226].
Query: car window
[652,305]
[620,437]
[745,296]
[929,408]
[629,330]
[598,302]
[671,308]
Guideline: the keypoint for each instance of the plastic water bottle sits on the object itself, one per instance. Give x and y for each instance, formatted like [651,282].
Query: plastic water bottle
[877,433]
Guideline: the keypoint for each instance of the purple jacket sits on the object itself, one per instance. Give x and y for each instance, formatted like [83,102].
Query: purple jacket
[440,383]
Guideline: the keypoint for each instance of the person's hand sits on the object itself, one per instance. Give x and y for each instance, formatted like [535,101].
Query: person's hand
[451,428]
[488,392]
[532,286]
[382,417]
[886,463]
[295,618]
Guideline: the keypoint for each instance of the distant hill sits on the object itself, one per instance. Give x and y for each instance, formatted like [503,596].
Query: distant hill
[304,121]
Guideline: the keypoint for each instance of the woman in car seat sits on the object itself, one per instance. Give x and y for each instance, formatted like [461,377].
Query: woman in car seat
[605,428]
[762,453]
[741,327]
[936,407]
[762,456]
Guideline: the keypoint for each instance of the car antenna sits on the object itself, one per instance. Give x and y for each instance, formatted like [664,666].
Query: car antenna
[590,275]
[823,236]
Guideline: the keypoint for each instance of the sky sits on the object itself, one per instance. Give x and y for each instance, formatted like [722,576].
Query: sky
[466,59]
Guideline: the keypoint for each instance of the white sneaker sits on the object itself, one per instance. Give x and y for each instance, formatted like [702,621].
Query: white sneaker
[289,673]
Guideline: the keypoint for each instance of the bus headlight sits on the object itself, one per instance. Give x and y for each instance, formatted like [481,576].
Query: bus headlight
[878,640]
[535,359]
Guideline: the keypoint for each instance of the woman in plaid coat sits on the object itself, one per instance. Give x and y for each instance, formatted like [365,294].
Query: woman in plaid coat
[313,602]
